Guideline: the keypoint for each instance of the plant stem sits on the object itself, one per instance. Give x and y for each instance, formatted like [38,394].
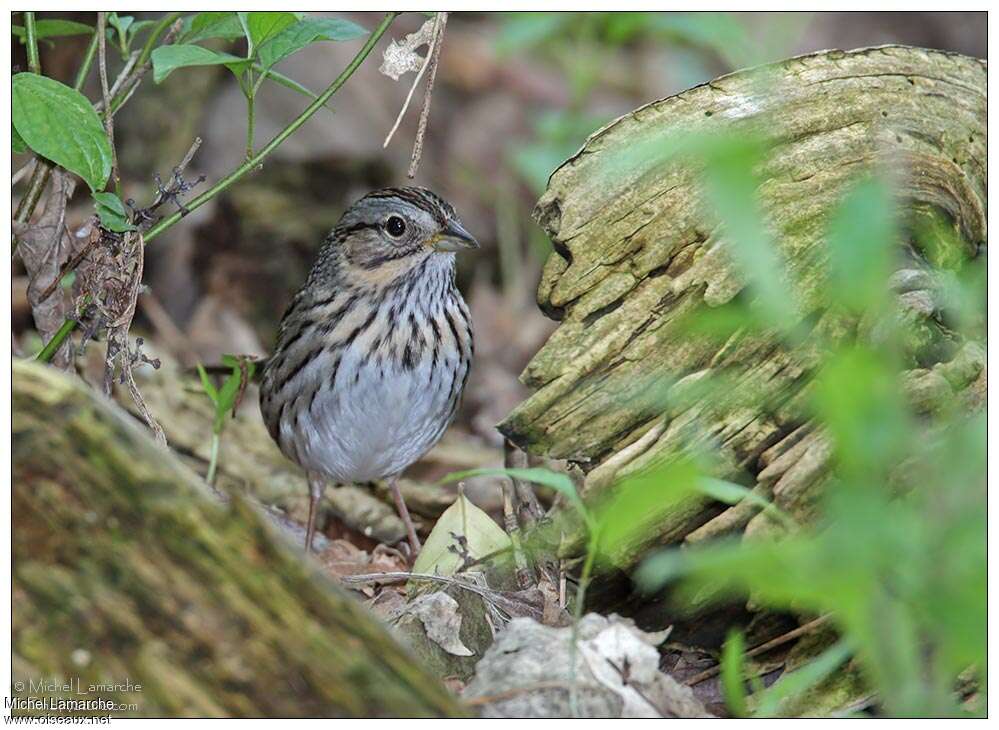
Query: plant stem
[105,95]
[251,98]
[52,346]
[250,93]
[31,42]
[249,126]
[88,60]
[68,325]
[213,460]
[39,179]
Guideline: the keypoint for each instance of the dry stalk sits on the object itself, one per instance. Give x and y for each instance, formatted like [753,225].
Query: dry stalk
[102,61]
[434,55]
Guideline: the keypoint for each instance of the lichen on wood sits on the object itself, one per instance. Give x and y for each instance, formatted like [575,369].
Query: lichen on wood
[637,250]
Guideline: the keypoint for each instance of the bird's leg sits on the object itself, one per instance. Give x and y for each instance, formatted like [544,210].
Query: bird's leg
[316,485]
[400,504]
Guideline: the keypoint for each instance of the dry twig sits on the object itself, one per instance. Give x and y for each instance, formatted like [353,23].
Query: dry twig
[102,61]
[763,648]
[434,54]
[401,58]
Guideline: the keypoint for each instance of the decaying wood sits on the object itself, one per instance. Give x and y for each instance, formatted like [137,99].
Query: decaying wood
[637,248]
[126,569]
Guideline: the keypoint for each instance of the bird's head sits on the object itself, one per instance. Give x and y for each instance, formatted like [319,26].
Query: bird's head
[389,232]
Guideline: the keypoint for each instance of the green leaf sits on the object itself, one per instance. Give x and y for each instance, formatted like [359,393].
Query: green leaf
[53,29]
[858,397]
[136,28]
[263,26]
[212,25]
[730,493]
[477,536]
[60,124]
[167,59]
[638,504]
[862,242]
[733,185]
[234,361]
[206,383]
[304,32]
[732,672]
[227,394]
[121,24]
[16,143]
[112,212]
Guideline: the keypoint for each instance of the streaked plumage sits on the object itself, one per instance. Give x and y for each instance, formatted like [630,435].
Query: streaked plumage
[374,350]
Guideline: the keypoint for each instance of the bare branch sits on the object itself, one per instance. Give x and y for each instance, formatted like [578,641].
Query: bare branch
[129,65]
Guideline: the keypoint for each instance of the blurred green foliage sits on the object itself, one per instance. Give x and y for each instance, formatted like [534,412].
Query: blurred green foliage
[582,46]
[897,558]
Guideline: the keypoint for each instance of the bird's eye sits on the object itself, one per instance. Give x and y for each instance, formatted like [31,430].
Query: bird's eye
[395,226]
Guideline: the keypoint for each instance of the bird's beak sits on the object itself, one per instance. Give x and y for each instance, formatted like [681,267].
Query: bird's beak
[454,238]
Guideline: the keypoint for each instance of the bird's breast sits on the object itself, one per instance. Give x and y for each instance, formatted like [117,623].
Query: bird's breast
[378,414]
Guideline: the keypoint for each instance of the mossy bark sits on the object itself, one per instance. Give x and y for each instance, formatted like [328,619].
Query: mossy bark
[637,247]
[127,568]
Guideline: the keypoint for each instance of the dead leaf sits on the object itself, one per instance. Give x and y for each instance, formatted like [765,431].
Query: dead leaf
[44,246]
[401,57]
[462,534]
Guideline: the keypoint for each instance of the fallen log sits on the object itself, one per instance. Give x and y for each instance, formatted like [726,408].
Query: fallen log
[129,575]
[637,250]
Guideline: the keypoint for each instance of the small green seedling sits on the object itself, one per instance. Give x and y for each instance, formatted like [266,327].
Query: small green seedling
[226,400]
